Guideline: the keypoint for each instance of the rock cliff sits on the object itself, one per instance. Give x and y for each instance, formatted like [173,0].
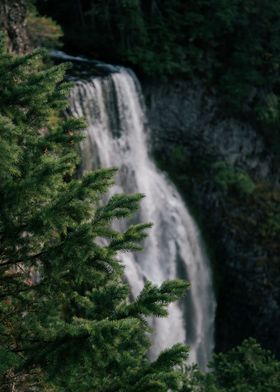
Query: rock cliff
[224,168]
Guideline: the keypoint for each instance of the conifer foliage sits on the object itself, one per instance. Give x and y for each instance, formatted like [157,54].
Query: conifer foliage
[66,320]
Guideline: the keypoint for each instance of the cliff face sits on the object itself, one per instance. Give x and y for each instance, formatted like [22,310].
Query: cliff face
[228,175]
[12,22]
[184,110]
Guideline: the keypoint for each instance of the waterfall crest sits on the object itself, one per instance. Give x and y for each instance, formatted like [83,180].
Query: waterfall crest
[116,136]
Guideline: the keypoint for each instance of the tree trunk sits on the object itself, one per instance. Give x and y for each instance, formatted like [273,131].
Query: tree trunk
[13,24]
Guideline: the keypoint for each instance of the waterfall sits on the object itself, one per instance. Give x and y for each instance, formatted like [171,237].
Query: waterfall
[116,136]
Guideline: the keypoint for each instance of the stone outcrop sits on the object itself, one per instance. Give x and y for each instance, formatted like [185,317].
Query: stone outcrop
[185,111]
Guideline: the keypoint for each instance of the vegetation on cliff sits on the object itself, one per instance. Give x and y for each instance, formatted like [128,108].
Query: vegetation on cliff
[240,217]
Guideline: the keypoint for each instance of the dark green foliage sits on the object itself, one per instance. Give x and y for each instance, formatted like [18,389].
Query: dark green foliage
[41,30]
[247,368]
[248,206]
[66,321]
[233,179]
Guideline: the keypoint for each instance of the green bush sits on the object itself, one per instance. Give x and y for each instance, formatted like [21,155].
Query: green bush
[247,368]
[230,178]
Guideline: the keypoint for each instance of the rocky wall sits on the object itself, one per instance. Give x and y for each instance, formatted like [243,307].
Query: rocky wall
[240,228]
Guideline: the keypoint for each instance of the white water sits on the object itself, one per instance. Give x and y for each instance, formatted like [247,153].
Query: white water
[116,136]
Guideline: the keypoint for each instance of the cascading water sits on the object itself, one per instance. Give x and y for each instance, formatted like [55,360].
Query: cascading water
[116,136]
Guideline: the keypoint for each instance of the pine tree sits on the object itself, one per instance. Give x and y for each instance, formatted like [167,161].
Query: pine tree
[67,323]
